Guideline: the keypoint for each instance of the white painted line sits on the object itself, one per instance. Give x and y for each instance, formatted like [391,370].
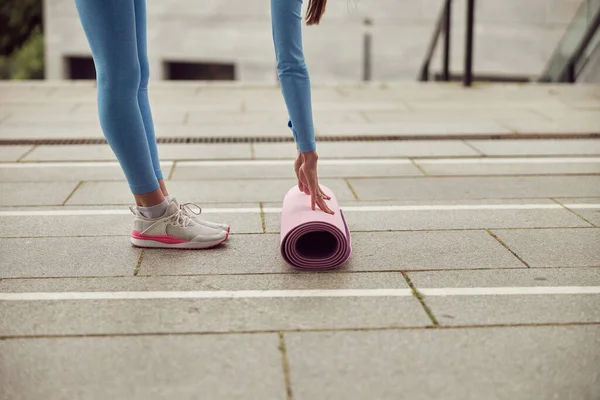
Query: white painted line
[255,163]
[269,294]
[86,164]
[345,161]
[275,210]
[510,291]
[528,160]
[241,294]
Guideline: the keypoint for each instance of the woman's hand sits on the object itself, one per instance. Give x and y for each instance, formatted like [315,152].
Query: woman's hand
[308,181]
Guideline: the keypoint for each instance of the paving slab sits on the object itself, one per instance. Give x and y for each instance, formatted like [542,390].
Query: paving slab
[524,363]
[522,309]
[30,193]
[349,105]
[447,219]
[73,256]
[537,147]
[106,225]
[218,366]
[291,281]
[514,167]
[496,278]
[204,151]
[240,254]
[110,317]
[319,116]
[371,252]
[412,148]
[87,115]
[415,128]
[225,130]
[554,247]
[428,250]
[487,115]
[94,171]
[102,152]
[191,170]
[89,152]
[591,215]
[456,188]
[13,153]
[557,126]
[66,131]
[230,191]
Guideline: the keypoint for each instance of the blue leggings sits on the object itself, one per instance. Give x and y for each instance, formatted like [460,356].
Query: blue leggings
[116,32]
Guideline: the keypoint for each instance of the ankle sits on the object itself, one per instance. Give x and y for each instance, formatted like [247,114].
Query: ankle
[154,211]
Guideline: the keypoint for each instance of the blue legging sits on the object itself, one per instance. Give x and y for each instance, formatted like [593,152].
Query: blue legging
[116,32]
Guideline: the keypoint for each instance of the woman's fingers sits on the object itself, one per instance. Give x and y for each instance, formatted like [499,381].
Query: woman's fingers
[323,206]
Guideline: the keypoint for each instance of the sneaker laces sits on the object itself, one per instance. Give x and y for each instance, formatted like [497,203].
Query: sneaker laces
[181,219]
[191,208]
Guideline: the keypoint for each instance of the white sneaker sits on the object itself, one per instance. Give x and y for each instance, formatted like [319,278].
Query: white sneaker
[193,211]
[174,230]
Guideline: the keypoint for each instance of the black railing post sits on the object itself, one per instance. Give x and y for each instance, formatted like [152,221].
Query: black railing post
[424,73]
[367,45]
[447,32]
[468,73]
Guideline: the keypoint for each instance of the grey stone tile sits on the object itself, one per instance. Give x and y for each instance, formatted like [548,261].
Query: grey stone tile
[504,278]
[558,126]
[65,225]
[232,191]
[447,219]
[291,281]
[204,151]
[414,128]
[188,170]
[106,225]
[224,130]
[150,367]
[34,194]
[191,151]
[200,117]
[208,315]
[537,147]
[63,132]
[87,152]
[50,257]
[13,153]
[516,167]
[428,250]
[371,252]
[468,364]
[591,215]
[240,254]
[555,247]
[526,309]
[38,172]
[452,188]
[412,148]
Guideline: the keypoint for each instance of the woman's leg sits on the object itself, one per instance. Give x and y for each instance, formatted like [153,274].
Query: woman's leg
[109,26]
[291,68]
[143,100]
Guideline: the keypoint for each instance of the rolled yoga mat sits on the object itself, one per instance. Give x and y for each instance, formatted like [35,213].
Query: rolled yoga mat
[313,240]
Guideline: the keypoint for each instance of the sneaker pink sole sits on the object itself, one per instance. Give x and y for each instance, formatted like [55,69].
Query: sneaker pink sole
[169,242]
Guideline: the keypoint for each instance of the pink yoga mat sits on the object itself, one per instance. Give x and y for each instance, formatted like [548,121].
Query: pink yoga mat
[312,239]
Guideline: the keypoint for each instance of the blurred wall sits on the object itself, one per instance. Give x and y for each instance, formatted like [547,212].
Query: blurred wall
[512,36]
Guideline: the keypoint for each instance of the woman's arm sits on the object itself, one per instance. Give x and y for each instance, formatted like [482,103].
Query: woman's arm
[291,69]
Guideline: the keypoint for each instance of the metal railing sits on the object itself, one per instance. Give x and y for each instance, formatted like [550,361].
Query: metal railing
[443,27]
[571,55]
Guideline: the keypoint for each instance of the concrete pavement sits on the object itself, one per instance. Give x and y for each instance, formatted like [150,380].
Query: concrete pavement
[475,272]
